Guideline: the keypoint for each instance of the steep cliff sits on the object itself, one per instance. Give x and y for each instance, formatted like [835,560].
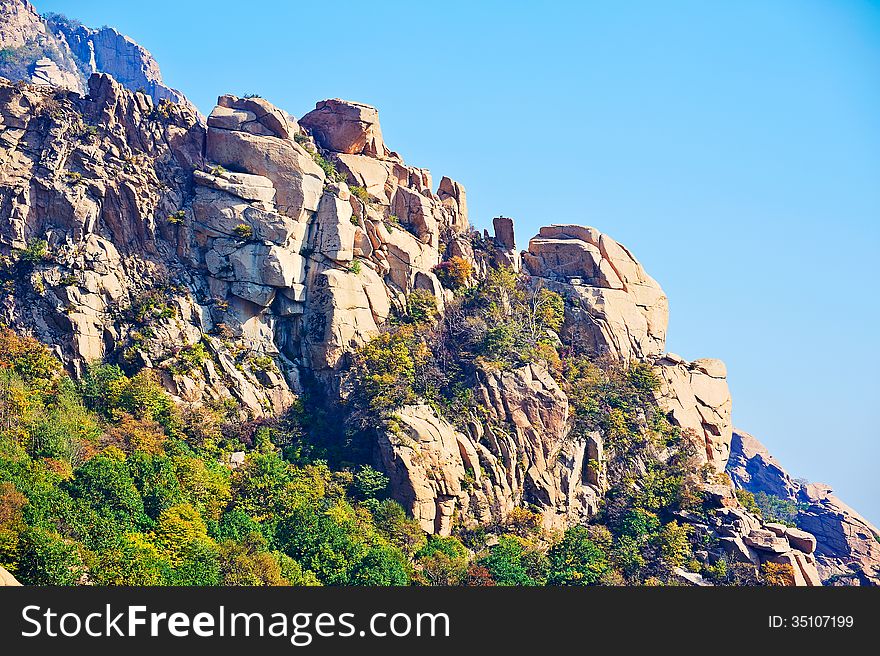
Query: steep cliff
[60,52]
[272,260]
[848,545]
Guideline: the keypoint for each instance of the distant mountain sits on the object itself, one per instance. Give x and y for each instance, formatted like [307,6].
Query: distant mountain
[848,548]
[61,52]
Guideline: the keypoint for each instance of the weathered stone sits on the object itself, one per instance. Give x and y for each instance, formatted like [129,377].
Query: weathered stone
[700,404]
[752,467]
[504,235]
[418,211]
[621,310]
[298,180]
[267,119]
[366,172]
[339,316]
[766,541]
[720,496]
[334,231]
[690,578]
[243,185]
[847,550]
[452,195]
[807,566]
[778,529]
[7,579]
[736,548]
[426,467]
[801,540]
[346,127]
[259,294]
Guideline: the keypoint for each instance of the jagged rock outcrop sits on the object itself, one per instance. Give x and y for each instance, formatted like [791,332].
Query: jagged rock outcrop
[31,51]
[262,255]
[105,50]
[696,396]
[164,234]
[256,250]
[58,52]
[106,181]
[617,310]
[622,310]
[744,538]
[521,454]
[347,127]
[847,545]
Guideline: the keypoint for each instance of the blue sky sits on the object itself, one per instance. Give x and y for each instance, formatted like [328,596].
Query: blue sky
[733,146]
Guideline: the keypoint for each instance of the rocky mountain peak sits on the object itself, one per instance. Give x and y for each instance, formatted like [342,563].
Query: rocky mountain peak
[263,261]
[848,545]
[60,52]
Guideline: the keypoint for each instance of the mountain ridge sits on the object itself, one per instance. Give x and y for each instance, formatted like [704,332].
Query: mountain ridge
[301,268]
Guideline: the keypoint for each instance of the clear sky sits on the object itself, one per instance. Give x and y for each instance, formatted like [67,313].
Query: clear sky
[733,146]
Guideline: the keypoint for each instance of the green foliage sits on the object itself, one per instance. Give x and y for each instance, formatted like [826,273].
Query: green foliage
[262,363]
[421,306]
[48,559]
[747,500]
[355,267]
[369,483]
[327,166]
[328,540]
[152,305]
[776,509]
[513,562]
[108,391]
[576,559]
[28,358]
[360,193]
[442,561]
[37,250]
[391,369]
[104,483]
[454,273]
[177,218]
[65,431]
[190,358]
[243,231]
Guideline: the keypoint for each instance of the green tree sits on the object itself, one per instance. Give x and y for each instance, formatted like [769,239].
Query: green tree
[133,560]
[105,484]
[510,562]
[48,559]
[381,565]
[369,483]
[576,559]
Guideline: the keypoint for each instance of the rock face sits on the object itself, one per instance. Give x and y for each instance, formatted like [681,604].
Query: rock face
[279,246]
[847,546]
[521,454]
[33,52]
[105,50]
[608,290]
[620,312]
[59,52]
[696,396]
[233,230]
[7,579]
[251,247]
[346,127]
